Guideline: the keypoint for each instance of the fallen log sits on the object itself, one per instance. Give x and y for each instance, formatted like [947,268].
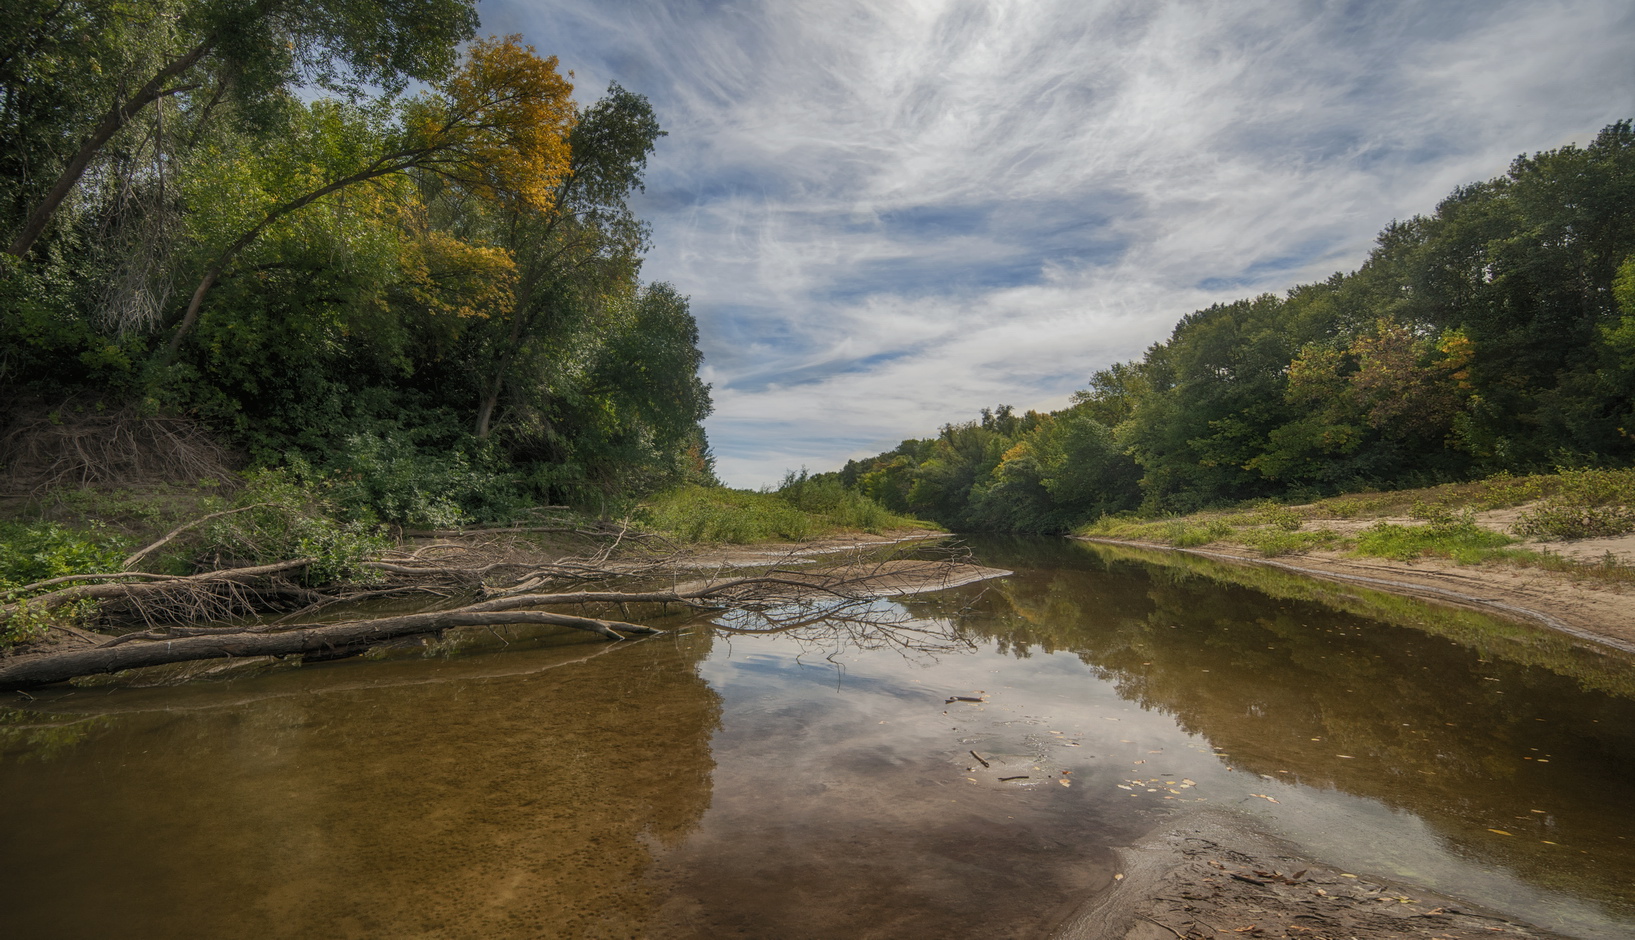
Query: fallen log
[839,598]
[328,639]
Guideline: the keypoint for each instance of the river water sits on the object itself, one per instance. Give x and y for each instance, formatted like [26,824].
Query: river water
[819,783]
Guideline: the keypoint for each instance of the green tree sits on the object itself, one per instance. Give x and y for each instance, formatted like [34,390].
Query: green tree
[77,73]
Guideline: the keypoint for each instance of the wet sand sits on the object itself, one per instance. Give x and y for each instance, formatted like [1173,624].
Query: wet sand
[1216,876]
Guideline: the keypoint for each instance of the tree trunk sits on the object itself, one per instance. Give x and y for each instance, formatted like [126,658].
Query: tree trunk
[112,122]
[327,640]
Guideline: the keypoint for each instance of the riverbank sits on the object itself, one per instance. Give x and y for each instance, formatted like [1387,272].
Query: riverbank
[1578,606]
[1552,551]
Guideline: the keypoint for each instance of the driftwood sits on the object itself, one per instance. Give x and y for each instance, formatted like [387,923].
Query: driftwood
[181,618]
[101,588]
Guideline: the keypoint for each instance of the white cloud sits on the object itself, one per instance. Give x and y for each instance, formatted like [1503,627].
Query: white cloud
[891,214]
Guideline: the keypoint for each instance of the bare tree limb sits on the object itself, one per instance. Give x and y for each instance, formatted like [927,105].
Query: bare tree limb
[150,549]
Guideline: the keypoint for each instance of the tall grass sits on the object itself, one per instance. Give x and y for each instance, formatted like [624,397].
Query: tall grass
[799,511]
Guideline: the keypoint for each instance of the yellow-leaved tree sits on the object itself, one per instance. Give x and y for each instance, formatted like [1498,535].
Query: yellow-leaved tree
[498,127]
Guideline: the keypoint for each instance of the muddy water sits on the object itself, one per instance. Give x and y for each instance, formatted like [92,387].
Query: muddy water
[819,784]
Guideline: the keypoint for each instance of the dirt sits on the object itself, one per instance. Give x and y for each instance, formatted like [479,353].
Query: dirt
[1216,878]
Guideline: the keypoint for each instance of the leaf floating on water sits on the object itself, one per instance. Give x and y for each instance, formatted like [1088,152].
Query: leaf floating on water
[1138,762]
[1499,831]
[1345,756]
[1065,783]
[1122,786]
[1264,797]
[1188,782]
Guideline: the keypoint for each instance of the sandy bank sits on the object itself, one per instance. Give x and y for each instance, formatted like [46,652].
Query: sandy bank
[1594,610]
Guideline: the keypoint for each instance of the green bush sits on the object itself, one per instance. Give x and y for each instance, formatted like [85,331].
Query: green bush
[705,514]
[32,552]
[1184,535]
[1273,542]
[283,516]
[1586,504]
[387,477]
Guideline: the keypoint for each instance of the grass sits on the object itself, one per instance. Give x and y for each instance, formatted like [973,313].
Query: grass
[1461,540]
[738,517]
[1570,504]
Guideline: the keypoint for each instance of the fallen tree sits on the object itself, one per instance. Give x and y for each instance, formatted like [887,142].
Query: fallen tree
[145,619]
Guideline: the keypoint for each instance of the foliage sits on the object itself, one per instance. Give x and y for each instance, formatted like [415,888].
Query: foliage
[37,551]
[1587,504]
[431,300]
[1456,537]
[1495,335]
[32,552]
[804,510]
[283,516]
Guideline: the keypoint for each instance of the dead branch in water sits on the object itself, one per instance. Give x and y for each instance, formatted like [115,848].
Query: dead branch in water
[206,615]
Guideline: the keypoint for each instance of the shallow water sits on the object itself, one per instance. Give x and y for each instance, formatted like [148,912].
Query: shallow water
[818,784]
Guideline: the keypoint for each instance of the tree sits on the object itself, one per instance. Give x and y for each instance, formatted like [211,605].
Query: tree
[498,128]
[125,58]
[575,253]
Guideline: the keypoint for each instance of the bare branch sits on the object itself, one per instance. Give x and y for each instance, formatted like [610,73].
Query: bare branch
[142,553]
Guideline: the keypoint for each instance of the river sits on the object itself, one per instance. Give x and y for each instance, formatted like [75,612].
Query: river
[820,782]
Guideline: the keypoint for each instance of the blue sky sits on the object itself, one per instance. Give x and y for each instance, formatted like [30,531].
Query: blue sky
[890,214]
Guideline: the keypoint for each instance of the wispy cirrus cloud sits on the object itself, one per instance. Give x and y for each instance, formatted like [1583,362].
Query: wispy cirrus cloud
[891,214]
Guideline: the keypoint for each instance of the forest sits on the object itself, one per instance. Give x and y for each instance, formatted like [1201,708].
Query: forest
[1496,334]
[352,239]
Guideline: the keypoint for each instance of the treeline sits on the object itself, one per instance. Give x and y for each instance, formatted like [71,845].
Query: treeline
[1496,334]
[345,235]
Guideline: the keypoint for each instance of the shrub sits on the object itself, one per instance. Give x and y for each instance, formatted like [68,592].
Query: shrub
[1182,535]
[1586,504]
[1272,542]
[32,552]
[284,516]
[386,477]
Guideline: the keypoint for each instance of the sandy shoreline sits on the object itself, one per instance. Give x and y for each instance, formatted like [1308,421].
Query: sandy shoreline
[1583,608]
